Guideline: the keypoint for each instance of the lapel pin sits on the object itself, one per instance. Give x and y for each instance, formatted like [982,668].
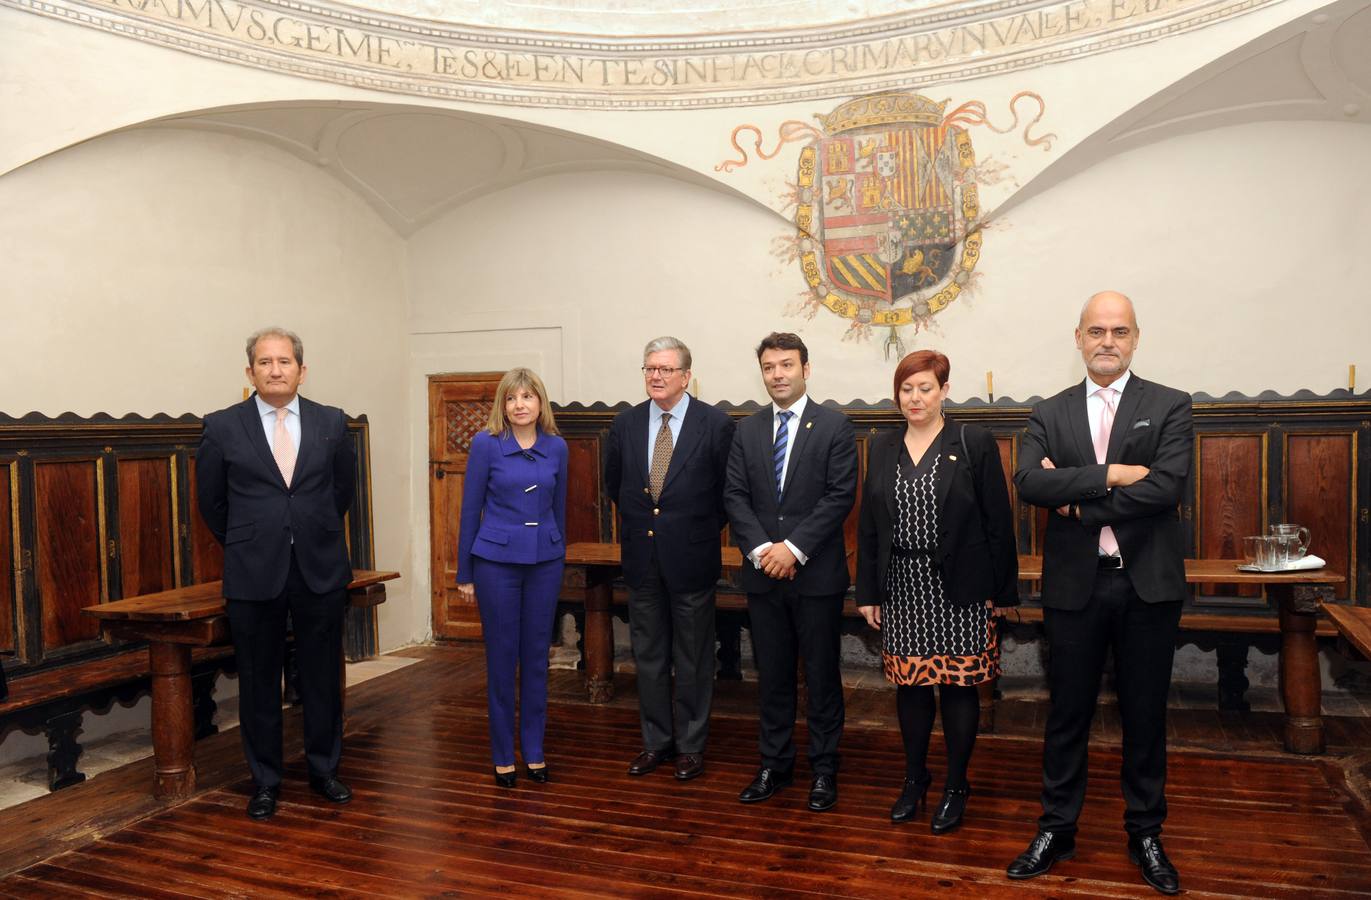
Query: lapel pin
[809,425]
[952,456]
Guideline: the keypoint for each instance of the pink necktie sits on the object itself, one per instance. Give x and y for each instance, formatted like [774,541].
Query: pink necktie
[282,447]
[1108,545]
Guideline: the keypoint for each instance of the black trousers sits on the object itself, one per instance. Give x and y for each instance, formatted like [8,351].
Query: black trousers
[785,624]
[672,631]
[259,640]
[1143,638]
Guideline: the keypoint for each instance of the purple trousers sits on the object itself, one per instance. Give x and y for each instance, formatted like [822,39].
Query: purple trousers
[518,603]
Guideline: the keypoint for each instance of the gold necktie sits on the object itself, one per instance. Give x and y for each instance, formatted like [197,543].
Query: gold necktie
[661,457]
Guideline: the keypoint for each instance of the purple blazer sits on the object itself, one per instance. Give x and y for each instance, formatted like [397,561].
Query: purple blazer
[513,502]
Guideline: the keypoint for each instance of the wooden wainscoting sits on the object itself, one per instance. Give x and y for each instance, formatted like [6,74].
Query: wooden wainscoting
[1257,461]
[95,509]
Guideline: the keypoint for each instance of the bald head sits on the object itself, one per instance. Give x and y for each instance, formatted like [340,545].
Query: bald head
[1110,300]
[1107,335]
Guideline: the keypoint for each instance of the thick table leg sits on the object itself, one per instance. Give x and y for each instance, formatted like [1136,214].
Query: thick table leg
[173,721]
[1301,689]
[599,635]
[985,692]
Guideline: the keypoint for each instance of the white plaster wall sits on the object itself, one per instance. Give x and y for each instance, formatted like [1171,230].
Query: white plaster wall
[136,264]
[1239,245]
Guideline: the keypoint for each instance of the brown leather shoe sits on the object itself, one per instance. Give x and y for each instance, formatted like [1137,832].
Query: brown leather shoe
[650,759]
[689,765]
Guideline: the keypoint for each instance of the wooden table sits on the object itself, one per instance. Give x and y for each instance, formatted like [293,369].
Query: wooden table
[1353,623]
[172,622]
[1297,596]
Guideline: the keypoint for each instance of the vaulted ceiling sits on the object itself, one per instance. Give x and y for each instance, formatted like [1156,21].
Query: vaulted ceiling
[412,164]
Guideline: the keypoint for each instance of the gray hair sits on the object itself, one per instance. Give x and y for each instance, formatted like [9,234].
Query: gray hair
[657,345]
[296,344]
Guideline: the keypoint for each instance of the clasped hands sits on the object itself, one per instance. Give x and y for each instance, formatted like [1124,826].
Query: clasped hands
[1116,475]
[778,562]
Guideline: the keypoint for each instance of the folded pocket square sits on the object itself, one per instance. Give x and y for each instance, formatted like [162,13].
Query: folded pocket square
[1142,423]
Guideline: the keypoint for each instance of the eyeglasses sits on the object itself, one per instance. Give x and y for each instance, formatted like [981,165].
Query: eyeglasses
[664,371]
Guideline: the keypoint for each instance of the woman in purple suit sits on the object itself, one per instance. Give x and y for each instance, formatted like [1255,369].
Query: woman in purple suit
[510,555]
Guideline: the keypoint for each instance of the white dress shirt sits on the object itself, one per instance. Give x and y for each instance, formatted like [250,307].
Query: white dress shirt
[654,423]
[268,414]
[1094,407]
[1094,401]
[798,408]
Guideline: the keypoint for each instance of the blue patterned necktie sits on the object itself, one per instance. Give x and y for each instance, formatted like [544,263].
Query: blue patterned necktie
[778,448]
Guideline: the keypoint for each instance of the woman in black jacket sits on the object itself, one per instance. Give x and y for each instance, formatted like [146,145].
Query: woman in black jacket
[935,558]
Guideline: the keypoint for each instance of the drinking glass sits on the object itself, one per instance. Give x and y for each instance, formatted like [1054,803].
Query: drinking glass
[1296,539]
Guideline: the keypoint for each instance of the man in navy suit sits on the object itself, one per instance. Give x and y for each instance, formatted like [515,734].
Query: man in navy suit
[275,474]
[792,480]
[1109,457]
[664,470]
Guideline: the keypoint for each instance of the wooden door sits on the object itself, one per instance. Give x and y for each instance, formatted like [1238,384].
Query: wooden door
[458,407]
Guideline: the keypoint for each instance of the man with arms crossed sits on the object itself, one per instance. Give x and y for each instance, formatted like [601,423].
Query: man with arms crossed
[1110,458]
[664,470]
[275,474]
[792,479]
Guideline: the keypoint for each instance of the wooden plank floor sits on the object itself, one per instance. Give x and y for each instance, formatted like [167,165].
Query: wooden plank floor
[427,819]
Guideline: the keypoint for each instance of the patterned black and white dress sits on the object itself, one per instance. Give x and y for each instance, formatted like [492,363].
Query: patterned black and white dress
[927,639]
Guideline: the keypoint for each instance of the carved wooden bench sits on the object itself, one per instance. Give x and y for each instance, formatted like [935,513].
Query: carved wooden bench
[593,568]
[54,700]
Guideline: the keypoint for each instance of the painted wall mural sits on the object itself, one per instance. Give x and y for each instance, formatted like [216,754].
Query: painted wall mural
[888,217]
[345,43]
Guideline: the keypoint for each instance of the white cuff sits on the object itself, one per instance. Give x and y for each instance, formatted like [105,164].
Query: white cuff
[798,555]
[756,554]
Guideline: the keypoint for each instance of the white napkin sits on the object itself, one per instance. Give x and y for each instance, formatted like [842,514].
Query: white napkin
[1306,562]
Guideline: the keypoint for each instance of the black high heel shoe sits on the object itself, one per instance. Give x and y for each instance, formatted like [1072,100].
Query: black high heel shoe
[914,795]
[506,779]
[948,815]
[538,775]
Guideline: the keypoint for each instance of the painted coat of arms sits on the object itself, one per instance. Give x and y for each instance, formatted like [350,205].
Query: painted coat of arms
[887,206]
[888,214]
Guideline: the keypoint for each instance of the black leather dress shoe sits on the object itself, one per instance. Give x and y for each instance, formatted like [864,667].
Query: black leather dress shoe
[1045,850]
[330,788]
[506,779]
[823,792]
[689,765]
[767,782]
[949,813]
[650,759]
[914,795]
[1147,854]
[538,775]
[263,802]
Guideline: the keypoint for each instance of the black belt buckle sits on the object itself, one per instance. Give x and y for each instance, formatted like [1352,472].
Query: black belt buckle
[1110,562]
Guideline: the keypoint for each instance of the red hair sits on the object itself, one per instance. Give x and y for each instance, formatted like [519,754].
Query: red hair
[921,361]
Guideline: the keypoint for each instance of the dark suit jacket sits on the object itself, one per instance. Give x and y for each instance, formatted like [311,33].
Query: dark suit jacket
[246,504]
[1151,428]
[502,520]
[686,521]
[976,551]
[820,488]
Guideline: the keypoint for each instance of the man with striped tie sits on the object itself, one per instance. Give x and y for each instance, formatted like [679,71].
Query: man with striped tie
[792,480]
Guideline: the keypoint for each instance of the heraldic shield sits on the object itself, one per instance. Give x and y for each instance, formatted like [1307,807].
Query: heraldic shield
[892,182]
